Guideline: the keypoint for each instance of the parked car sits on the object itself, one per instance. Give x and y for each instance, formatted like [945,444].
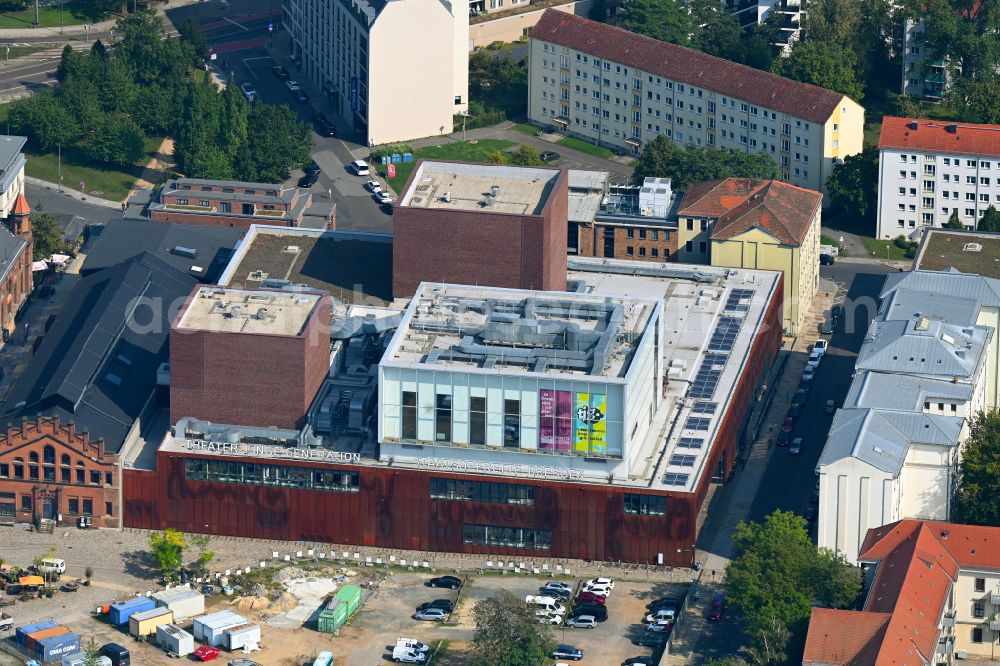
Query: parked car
[799,398]
[300,96]
[653,639]
[590,596]
[557,585]
[567,652]
[796,447]
[717,608]
[383,197]
[443,604]
[582,622]
[826,260]
[788,424]
[830,407]
[604,582]
[640,661]
[795,411]
[660,626]
[809,372]
[549,156]
[403,655]
[248,91]
[783,438]
[280,72]
[814,360]
[434,614]
[667,613]
[664,602]
[292,85]
[412,644]
[309,179]
[450,582]
[373,186]
[821,345]
[326,129]
[547,617]
[558,595]
[589,608]
[312,167]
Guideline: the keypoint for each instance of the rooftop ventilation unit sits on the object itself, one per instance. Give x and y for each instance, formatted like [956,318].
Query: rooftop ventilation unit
[235,312]
[972,247]
[182,251]
[292,249]
[951,129]
[913,124]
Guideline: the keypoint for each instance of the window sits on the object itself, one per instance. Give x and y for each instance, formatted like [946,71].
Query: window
[409,415]
[95,478]
[510,537]
[481,491]
[690,225]
[703,247]
[74,506]
[49,455]
[81,473]
[108,509]
[18,468]
[630,233]
[689,246]
[8,504]
[477,420]
[307,478]
[4,471]
[977,634]
[25,502]
[442,422]
[33,472]
[88,507]
[642,252]
[629,251]
[980,585]
[512,423]
[979,609]
[645,505]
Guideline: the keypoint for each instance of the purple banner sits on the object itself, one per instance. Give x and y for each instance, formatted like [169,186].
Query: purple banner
[555,420]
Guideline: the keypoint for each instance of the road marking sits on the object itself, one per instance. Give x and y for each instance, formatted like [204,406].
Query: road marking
[239,25]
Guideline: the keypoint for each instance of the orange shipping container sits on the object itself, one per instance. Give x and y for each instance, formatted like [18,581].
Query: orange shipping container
[33,638]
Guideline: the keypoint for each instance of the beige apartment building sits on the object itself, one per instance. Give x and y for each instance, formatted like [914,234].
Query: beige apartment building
[361,53]
[620,89]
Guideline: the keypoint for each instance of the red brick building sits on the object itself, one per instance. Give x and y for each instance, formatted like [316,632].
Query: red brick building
[15,264]
[498,226]
[220,203]
[48,471]
[248,357]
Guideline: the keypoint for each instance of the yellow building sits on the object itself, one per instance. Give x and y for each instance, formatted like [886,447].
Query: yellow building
[758,224]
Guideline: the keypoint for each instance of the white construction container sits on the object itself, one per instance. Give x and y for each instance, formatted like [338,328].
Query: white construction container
[78,658]
[209,628]
[172,638]
[183,601]
[237,638]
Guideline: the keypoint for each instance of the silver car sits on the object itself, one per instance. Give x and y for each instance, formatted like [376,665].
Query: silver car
[434,614]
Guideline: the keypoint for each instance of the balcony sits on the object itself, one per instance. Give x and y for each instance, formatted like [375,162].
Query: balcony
[948,622]
[995,598]
[995,625]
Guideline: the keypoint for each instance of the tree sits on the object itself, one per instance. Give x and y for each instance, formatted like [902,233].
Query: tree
[43,120]
[202,542]
[990,220]
[526,155]
[776,577]
[190,32]
[824,64]
[692,164]
[953,221]
[276,142]
[853,185]
[832,21]
[979,473]
[118,140]
[46,236]
[497,157]
[666,20]
[977,100]
[92,653]
[508,633]
[719,32]
[167,549]
[758,48]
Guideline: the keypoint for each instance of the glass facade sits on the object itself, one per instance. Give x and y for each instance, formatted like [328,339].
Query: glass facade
[510,537]
[306,478]
[482,491]
[645,505]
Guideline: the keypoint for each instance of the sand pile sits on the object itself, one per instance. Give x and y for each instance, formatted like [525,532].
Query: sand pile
[289,573]
[253,603]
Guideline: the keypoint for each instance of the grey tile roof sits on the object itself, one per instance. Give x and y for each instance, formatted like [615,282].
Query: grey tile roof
[923,347]
[905,303]
[882,438]
[94,367]
[11,247]
[888,390]
[983,290]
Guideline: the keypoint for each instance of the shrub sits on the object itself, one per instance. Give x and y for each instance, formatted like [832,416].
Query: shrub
[901,242]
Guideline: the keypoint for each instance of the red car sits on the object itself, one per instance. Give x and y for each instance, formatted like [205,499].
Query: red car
[590,596]
[717,608]
[788,424]
[206,653]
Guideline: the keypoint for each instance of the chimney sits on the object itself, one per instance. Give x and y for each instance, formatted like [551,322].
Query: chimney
[913,124]
[952,129]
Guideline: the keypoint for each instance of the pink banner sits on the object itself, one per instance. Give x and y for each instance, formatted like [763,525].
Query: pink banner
[555,420]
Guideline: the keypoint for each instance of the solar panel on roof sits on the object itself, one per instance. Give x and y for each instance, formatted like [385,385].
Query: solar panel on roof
[690,443]
[704,408]
[697,423]
[675,479]
[682,460]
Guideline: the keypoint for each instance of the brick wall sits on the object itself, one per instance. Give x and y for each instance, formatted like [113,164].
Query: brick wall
[79,477]
[220,220]
[592,243]
[15,288]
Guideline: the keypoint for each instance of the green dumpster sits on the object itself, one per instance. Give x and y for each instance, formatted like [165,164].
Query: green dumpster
[339,609]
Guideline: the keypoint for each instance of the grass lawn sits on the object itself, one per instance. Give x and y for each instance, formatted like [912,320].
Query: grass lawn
[525,128]
[876,248]
[105,182]
[826,240]
[471,151]
[585,147]
[75,12]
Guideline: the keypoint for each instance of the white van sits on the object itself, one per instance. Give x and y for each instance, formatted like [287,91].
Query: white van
[52,565]
[547,604]
[360,167]
[412,644]
[402,655]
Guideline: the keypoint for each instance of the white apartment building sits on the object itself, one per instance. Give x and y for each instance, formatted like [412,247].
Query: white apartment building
[361,53]
[790,13]
[930,169]
[620,89]
[921,79]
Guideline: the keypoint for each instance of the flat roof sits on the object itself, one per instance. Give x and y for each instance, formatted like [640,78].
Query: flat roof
[351,267]
[485,188]
[518,331]
[966,251]
[225,310]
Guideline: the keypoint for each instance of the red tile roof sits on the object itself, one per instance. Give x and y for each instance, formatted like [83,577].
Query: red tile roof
[971,546]
[933,136]
[21,206]
[843,636]
[695,68]
[739,204]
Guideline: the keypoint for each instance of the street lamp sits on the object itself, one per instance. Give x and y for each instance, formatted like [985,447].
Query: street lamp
[887,253]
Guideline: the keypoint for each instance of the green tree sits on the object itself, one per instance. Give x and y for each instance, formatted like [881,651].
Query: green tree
[508,633]
[201,542]
[833,21]
[953,221]
[666,20]
[235,122]
[688,163]
[167,549]
[276,142]
[979,473]
[43,120]
[824,64]
[977,100]
[526,155]
[776,577]
[853,185]
[118,140]
[497,157]
[46,236]
[598,11]
[719,32]
[71,63]
[990,220]
[92,653]
[190,31]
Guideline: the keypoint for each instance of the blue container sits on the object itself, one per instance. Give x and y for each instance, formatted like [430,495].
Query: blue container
[22,632]
[54,647]
[407,157]
[120,613]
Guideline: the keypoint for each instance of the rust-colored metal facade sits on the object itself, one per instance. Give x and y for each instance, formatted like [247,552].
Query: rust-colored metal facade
[393,508]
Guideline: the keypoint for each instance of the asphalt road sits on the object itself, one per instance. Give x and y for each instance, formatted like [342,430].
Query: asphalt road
[789,480]
[54,202]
